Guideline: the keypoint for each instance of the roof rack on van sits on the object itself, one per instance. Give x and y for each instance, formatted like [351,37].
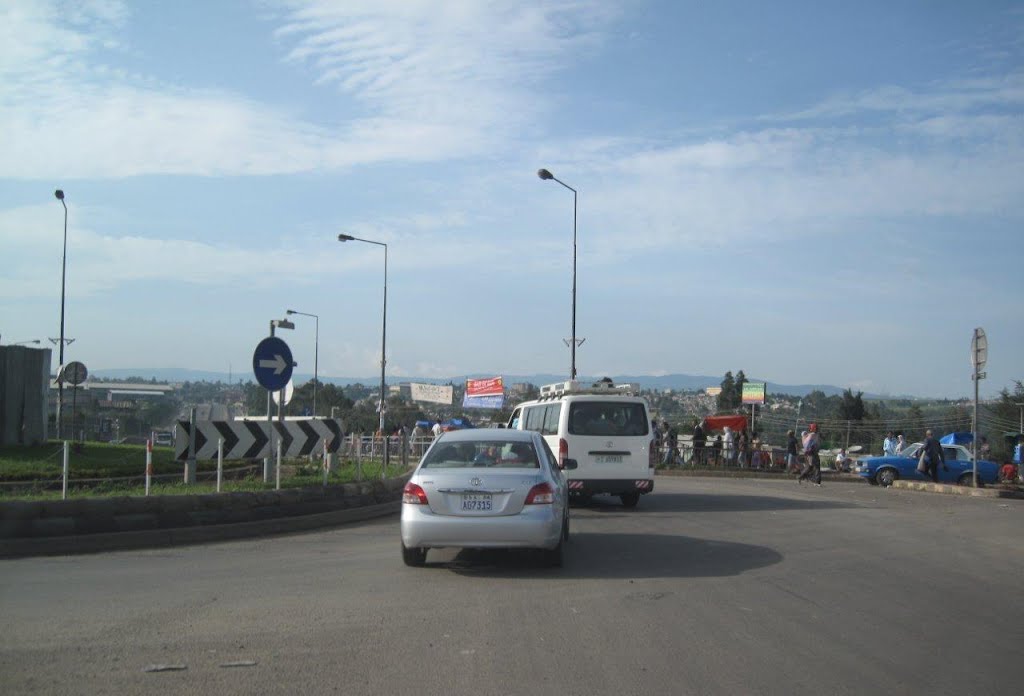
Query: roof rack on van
[605,386]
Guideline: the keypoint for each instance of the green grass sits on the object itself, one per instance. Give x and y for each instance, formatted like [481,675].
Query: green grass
[40,467]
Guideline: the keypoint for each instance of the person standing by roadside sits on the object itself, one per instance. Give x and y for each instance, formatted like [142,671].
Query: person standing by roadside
[743,447]
[812,463]
[727,444]
[699,438]
[933,456]
[791,465]
[889,445]
[900,444]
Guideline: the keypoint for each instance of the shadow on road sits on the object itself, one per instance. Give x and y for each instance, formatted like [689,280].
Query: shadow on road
[600,555]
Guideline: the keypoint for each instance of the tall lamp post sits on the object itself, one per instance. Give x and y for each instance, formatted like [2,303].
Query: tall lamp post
[383,335]
[572,342]
[63,275]
[316,351]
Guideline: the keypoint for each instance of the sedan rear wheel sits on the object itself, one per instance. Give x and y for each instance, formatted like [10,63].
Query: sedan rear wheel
[565,526]
[553,557]
[886,477]
[414,557]
[965,480]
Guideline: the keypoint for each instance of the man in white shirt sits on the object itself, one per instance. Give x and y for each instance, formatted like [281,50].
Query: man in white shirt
[436,429]
[889,445]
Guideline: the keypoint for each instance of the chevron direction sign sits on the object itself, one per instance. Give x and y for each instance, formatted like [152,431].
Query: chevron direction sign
[252,439]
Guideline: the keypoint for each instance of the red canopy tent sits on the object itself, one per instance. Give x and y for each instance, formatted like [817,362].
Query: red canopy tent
[735,422]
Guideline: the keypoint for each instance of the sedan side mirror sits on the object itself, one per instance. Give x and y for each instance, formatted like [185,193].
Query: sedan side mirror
[569,464]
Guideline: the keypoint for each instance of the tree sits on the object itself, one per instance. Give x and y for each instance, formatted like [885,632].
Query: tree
[725,396]
[851,406]
[737,393]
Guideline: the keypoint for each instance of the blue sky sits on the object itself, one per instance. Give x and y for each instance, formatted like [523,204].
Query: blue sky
[824,192]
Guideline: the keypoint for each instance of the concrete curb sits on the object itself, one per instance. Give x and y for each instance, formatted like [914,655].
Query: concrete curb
[988,492]
[157,538]
[755,474]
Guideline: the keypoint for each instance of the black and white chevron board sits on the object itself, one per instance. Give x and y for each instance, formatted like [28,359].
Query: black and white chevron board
[251,439]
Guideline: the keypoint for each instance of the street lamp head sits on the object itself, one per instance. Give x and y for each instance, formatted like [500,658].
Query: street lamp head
[59,194]
[345,238]
[289,311]
[544,174]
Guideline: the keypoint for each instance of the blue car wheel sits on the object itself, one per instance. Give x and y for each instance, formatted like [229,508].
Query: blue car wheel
[886,477]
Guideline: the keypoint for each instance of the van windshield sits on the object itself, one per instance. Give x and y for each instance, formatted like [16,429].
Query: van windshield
[604,418]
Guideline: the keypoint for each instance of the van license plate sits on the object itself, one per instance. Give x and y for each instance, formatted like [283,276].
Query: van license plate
[479,503]
[608,458]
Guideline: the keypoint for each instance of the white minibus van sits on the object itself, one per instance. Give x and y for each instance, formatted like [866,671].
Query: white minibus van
[605,428]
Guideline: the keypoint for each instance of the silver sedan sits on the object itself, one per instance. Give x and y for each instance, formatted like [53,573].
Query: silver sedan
[486,488]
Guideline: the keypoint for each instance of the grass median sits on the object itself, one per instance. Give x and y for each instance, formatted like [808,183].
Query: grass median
[105,470]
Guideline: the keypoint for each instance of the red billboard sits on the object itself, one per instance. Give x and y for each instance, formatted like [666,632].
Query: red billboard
[493,386]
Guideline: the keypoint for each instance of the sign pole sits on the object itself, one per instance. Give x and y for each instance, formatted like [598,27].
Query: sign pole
[67,462]
[149,464]
[220,463]
[190,463]
[270,428]
[979,356]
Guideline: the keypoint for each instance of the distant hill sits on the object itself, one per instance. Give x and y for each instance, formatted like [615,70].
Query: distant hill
[674,381]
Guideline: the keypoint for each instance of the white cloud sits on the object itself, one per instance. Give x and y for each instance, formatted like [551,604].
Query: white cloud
[433,82]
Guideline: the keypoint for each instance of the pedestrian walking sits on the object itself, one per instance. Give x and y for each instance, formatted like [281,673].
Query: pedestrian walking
[812,462]
[791,463]
[933,456]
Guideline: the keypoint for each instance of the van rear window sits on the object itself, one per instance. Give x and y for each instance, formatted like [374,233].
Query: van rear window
[608,418]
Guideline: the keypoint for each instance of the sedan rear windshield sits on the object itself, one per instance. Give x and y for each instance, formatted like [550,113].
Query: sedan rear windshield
[605,418]
[483,453]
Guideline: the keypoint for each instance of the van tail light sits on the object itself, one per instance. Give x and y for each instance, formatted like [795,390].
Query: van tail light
[563,452]
[541,494]
[413,494]
[652,455]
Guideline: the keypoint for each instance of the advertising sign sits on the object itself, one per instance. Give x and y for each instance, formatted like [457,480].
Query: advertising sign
[753,392]
[713,391]
[432,393]
[483,401]
[492,386]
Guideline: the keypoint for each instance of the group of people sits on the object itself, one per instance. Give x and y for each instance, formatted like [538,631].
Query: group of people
[893,446]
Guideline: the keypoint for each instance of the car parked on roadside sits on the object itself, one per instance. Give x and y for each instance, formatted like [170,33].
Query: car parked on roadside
[959,467]
[486,488]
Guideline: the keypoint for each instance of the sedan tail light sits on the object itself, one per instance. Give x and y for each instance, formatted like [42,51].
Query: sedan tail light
[541,494]
[413,494]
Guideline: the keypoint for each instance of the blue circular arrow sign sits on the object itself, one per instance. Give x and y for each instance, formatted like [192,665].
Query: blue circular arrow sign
[272,363]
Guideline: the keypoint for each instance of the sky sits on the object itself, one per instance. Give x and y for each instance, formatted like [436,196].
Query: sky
[812,192]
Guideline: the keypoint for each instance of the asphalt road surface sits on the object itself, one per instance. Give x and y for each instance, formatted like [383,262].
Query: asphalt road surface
[711,586]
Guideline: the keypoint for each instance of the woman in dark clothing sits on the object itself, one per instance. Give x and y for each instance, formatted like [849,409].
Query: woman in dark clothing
[791,464]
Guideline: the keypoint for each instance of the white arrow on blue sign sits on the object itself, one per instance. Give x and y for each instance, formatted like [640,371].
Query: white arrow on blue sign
[272,363]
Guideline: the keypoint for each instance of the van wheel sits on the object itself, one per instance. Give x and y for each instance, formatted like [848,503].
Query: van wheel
[630,499]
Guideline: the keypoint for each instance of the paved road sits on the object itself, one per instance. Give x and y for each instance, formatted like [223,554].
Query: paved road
[712,586]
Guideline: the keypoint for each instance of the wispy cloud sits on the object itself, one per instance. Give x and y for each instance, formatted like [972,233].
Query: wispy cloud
[428,82]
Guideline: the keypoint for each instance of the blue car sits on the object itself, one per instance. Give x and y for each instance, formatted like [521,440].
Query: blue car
[959,467]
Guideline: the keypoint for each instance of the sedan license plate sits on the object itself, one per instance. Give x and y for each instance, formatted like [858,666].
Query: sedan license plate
[477,502]
[608,458]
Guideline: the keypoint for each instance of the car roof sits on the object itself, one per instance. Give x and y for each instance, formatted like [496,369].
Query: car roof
[477,434]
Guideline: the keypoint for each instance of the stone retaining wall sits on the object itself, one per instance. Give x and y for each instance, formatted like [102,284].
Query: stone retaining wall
[85,516]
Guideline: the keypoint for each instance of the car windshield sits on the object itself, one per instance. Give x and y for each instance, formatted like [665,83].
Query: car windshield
[911,450]
[605,418]
[500,453]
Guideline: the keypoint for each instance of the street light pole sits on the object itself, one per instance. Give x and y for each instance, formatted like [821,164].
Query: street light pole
[573,342]
[63,275]
[316,352]
[383,336]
